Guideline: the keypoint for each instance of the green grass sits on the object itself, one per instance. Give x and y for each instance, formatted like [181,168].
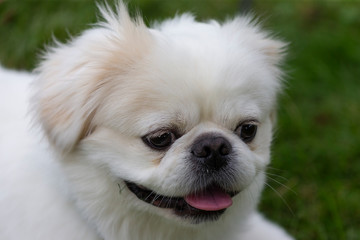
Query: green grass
[316,152]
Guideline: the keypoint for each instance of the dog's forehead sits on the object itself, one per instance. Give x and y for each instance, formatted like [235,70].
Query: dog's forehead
[190,77]
[213,75]
[211,60]
[164,94]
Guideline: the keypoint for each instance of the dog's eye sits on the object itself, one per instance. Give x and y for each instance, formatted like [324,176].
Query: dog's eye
[160,140]
[246,132]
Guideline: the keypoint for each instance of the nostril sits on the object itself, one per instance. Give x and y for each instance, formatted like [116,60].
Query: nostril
[202,151]
[225,149]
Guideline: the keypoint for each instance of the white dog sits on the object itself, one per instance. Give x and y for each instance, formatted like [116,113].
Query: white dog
[145,133]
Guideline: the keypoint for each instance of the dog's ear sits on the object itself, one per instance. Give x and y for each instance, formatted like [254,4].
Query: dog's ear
[249,31]
[273,49]
[63,100]
[74,78]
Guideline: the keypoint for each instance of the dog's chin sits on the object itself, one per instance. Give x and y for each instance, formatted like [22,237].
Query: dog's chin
[180,205]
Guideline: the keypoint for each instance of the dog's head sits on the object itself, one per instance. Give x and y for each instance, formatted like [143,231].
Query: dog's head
[179,116]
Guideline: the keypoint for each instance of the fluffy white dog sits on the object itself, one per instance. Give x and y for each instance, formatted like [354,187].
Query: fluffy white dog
[145,133]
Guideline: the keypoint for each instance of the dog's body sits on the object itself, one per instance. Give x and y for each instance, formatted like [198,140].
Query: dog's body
[159,133]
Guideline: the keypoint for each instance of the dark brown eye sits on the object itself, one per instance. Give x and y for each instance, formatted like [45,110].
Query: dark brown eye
[160,140]
[246,132]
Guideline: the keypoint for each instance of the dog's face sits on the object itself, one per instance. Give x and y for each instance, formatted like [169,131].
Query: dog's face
[179,117]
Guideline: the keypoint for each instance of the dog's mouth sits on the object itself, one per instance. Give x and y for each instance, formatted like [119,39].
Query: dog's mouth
[204,205]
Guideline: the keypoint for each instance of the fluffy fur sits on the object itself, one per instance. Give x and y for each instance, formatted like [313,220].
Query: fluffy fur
[96,97]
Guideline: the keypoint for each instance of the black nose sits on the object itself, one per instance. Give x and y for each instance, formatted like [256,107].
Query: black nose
[212,151]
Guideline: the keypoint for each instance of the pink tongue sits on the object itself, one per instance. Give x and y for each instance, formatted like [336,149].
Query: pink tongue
[212,199]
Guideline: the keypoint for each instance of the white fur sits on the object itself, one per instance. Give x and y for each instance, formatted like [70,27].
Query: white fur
[95,97]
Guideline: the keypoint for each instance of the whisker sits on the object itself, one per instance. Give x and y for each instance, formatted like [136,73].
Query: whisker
[168,201]
[276,175]
[155,198]
[283,185]
[281,197]
[149,195]
[162,199]
[273,168]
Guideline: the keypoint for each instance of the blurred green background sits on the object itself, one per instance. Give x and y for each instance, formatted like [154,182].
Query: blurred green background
[314,179]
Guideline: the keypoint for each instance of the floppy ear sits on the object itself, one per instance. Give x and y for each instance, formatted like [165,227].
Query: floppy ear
[74,77]
[249,31]
[63,101]
[273,49]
